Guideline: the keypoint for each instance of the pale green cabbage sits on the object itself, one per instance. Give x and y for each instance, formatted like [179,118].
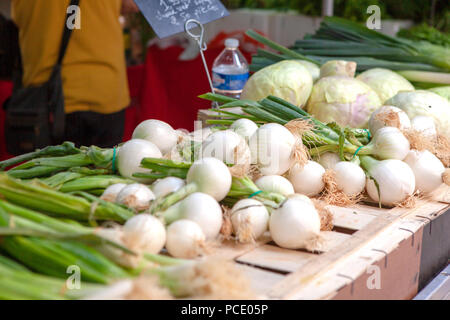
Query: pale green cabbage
[425,103]
[442,91]
[385,83]
[312,68]
[287,79]
[344,100]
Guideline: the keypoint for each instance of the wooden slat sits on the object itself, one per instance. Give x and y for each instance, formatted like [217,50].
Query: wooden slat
[276,258]
[231,249]
[350,218]
[330,240]
[261,281]
[293,284]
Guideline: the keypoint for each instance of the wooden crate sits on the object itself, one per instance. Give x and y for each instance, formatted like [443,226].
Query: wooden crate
[405,248]
[368,244]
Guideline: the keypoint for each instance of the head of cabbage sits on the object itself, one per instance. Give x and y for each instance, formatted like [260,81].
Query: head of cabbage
[312,68]
[425,103]
[384,82]
[344,100]
[288,79]
[442,91]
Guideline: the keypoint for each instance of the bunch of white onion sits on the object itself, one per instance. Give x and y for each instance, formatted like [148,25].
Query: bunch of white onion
[391,181]
[428,170]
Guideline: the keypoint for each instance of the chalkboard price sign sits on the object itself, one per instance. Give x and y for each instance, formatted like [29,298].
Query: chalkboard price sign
[167,17]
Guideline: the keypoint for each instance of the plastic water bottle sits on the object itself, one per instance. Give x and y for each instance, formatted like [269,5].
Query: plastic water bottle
[230,70]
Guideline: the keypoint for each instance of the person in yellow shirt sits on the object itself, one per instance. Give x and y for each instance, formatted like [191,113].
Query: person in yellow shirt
[93,69]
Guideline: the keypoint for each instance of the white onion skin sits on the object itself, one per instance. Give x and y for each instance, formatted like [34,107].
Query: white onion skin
[110,193]
[244,127]
[328,160]
[136,196]
[276,184]
[251,213]
[271,149]
[294,224]
[201,134]
[302,197]
[157,132]
[200,208]
[185,239]
[163,187]
[144,233]
[308,179]
[224,145]
[350,178]
[130,155]
[211,176]
[390,143]
[427,168]
[395,179]
[375,123]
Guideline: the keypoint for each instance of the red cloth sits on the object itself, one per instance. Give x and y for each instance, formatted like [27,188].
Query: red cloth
[5,93]
[171,87]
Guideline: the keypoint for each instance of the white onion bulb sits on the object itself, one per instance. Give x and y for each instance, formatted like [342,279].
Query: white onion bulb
[276,184]
[350,178]
[130,155]
[388,116]
[110,193]
[136,196]
[295,224]
[144,233]
[328,160]
[201,134]
[427,168]
[163,187]
[389,143]
[271,148]
[200,208]
[157,132]
[250,219]
[227,146]
[244,127]
[395,179]
[211,176]
[185,239]
[308,179]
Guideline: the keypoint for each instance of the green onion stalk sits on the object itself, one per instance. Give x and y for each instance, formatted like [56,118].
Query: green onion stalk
[93,183]
[38,196]
[337,38]
[321,138]
[57,180]
[19,283]
[242,187]
[65,149]
[17,220]
[50,256]
[42,166]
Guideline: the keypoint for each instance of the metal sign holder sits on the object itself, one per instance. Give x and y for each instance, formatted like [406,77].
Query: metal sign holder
[202,46]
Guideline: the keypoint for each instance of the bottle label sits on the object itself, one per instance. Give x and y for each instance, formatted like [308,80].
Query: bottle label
[234,82]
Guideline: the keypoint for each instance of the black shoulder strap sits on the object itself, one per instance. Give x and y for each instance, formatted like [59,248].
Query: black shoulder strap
[55,83]
[66,35]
